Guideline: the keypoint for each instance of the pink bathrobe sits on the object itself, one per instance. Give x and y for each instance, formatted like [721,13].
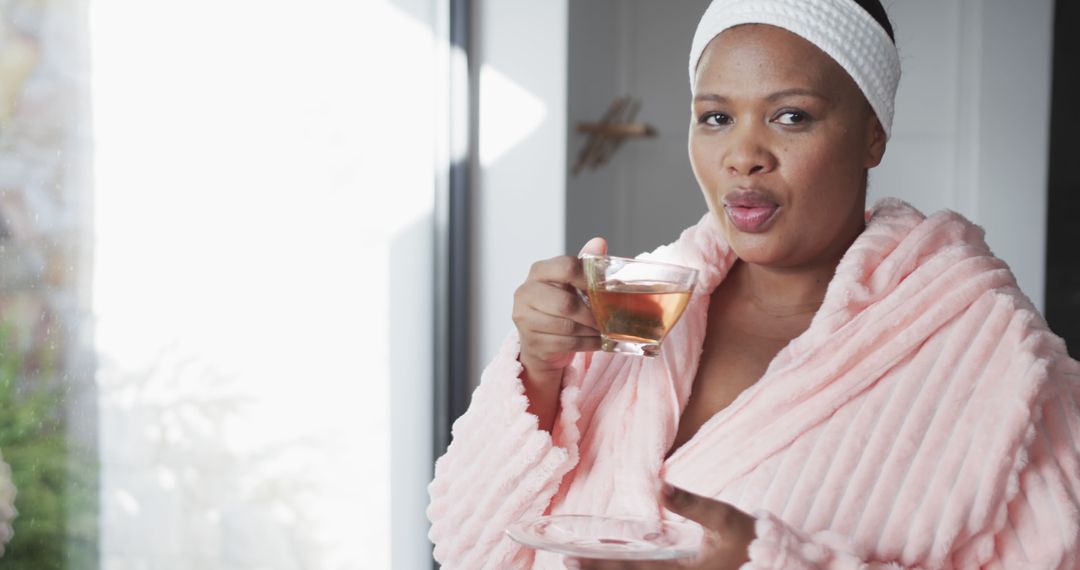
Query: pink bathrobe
[926,419]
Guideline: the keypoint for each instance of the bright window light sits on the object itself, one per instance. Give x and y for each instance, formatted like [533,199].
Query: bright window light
[263,177]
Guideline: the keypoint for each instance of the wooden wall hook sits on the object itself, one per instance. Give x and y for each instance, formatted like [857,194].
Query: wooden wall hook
[607,135]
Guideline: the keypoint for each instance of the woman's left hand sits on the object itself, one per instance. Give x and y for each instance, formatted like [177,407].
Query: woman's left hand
[728,534]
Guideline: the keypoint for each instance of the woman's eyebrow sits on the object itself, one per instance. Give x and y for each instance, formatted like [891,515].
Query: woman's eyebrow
[796,92]
[793,92]
[713,97]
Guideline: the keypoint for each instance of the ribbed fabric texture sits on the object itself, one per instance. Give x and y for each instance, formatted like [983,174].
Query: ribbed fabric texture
[926,419]
[840,28]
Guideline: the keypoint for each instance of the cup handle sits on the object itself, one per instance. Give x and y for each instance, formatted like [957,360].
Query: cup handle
[581,294]
[584,297]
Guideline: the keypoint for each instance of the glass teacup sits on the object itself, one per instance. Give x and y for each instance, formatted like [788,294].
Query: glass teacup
[636,302]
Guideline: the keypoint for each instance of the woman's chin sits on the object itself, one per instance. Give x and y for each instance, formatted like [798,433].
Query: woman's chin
[755,257]
[756,248]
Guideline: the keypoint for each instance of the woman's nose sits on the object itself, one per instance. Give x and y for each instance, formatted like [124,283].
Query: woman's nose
[748,153]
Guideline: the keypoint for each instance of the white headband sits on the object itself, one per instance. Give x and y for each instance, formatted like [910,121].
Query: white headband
[840,28]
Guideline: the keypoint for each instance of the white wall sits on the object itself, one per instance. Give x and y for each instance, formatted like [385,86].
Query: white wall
[597,32]
[647,194]
[520,187]
[972,121]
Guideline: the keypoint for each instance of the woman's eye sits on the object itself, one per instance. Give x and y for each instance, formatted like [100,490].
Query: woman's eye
[792,118]
[716,119]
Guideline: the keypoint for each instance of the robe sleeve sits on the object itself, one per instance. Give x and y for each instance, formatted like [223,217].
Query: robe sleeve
[499,468]
[1042,527]
[1038,528]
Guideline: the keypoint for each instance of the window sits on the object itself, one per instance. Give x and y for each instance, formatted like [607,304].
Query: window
[216,291]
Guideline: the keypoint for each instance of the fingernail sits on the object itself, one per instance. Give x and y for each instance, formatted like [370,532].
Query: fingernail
[573,564]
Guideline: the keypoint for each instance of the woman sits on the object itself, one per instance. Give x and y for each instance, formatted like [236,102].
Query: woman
[846,389]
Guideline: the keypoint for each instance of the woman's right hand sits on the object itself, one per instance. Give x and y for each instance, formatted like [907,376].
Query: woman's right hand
[553,324]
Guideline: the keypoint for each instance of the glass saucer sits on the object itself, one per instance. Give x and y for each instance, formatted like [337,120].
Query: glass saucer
[587,536]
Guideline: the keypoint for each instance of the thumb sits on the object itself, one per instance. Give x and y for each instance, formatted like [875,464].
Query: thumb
[708,513]
[728,531]
[597,245]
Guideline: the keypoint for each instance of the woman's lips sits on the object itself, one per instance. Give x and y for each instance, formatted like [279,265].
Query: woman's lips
[751,220]
[751,211]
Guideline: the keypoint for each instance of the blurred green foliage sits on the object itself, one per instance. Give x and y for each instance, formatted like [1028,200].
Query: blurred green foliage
[56,528]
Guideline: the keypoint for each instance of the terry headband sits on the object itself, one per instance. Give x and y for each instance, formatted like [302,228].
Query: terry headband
[840,28]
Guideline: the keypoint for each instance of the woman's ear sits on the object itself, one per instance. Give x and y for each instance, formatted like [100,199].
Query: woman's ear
[876,141]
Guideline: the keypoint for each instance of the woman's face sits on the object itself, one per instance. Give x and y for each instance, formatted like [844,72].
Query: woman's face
[780,141]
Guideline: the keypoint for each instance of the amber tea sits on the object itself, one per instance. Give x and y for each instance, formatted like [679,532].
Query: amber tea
[637,312]
[635,302]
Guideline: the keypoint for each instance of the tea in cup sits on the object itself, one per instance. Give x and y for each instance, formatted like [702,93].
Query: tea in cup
[635,302]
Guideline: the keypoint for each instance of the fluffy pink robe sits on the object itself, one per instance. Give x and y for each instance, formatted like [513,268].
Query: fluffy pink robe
[926,419]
